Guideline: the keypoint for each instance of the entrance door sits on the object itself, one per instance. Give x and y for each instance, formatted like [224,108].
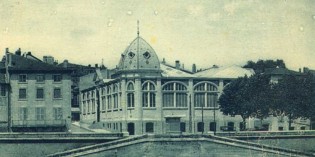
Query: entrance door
[131,128]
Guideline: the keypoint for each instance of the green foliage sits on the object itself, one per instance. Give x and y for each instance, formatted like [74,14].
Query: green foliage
[261,65]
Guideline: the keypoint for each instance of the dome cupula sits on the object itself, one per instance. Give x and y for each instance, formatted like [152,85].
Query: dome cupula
[139,55]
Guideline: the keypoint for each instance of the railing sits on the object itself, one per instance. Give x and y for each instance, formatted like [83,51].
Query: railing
[59,136]
[34,123]
[179,138]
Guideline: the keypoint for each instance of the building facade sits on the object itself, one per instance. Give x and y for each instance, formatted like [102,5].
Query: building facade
[145,95]
[39,94]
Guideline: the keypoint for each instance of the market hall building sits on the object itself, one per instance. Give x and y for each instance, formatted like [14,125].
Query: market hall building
[146,95]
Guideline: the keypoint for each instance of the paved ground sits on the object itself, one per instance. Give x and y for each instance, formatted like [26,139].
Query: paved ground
[75,128]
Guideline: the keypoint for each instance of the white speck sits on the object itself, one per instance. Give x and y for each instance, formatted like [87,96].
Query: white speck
[263,23]
[129,12]
[110,22]
[156,12]
[103,2]
[301,28]
[314,17]
[6,30]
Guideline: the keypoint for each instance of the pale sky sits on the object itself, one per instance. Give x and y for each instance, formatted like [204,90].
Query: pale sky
[203,32]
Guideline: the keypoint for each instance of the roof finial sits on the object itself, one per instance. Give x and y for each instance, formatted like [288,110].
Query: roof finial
[138,32]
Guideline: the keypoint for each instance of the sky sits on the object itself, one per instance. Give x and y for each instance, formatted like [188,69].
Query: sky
[204,32]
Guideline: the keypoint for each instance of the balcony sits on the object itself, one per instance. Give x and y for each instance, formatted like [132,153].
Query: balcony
[38,123]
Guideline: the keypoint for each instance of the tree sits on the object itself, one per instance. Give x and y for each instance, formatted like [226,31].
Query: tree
[234,100]
[261,65]
[293,97]
[247,97]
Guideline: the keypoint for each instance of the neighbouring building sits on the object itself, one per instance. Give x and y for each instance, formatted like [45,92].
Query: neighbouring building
[77,72]
[38,95]
[145,95]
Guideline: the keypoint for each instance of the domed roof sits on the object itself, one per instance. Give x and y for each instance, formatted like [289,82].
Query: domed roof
[139,55]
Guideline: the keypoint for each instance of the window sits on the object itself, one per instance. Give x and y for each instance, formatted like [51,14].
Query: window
[103,102]
[149,127]
[200,127]
[40,78]
[22,93]
[174,95]
[206,95]
[115,96]
[58,113]
[40,113]
[130,95]
[40,93]
[148,96]
[57,93]
[23,113]
[231,126]
[183,127]
[83,107]
[57,78]
[93,106]
[213,126]
[2,90]
[22,78]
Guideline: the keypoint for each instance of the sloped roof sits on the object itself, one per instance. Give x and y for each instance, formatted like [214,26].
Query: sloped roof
[86,81]
[280,71]
[20,63]
[168,71]
[225,72]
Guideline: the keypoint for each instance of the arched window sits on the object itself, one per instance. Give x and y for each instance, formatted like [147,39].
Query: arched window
[103,99]
[206,95]
[109,98]
[130,95]
[115,96]
[174,95]
[148,96]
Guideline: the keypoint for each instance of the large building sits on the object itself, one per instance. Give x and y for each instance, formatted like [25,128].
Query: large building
[36,95]
[145,95]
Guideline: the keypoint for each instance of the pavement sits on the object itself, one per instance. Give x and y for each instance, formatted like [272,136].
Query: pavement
[83,127]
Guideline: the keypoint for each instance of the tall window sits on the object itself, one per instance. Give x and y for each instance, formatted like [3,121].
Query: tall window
[40,113]
[22,93]
[115,96]
[2,90]
[174,95]
[40,78]
[22,78]
[148,96]
[200,127]
[109,98]
[206,95]
[57,93]
[103,102]
[39,93]
[57,78]
[83,107]
[130,95]
[23,113]
[58,113]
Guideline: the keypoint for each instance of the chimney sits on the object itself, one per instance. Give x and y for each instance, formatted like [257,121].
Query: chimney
[18,52]
[194,68]
[65,63]
[305,70]
[7,50]
[163,61]
[177,64]
[300,71]
[96,65]
[48,59]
